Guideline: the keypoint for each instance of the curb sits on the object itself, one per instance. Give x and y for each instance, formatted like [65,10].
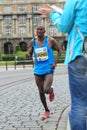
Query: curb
[64,121]
[68,125]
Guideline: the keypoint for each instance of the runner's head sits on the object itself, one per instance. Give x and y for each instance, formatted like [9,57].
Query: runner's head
[40,30]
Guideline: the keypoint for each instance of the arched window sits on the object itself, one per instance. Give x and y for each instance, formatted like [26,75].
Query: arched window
[8,48]
[23,46]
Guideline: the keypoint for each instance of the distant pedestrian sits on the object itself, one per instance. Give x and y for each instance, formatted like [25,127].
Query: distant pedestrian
[44,65]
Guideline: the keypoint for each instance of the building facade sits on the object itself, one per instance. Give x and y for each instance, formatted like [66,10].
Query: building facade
[18,20]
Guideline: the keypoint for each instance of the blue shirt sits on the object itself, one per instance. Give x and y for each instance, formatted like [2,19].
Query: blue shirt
[75,12]
[44,58]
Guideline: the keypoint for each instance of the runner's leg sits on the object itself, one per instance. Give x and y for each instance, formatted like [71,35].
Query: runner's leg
[40,83]
[48,83]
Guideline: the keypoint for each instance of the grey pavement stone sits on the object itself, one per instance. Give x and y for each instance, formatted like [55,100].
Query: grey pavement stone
[23,128]
[33,128]
[10,129]
[21,108]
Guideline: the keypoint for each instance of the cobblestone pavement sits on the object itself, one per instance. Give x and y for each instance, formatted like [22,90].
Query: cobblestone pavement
[20,106]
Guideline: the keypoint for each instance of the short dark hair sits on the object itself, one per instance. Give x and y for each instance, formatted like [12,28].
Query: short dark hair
[42,26]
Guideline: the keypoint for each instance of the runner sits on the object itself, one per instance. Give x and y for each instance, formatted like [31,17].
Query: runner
[42,47]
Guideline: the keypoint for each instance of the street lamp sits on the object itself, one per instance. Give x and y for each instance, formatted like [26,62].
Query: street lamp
[32,23]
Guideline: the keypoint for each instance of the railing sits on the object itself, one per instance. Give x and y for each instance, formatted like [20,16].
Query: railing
[5,65]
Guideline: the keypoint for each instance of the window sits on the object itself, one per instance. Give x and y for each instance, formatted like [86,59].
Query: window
[22,31]
[22,19]
[8,48]
[23,46]
[21,8]
[2,1]
[36,19]
[51,30]
[8,19]
[35,7]
[8,31]
[48,20]
[7,8]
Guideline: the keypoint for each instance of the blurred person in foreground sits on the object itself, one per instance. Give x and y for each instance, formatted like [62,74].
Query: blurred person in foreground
[44,65]
[73,21]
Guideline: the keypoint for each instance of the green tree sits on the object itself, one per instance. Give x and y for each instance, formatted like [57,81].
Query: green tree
[17,48]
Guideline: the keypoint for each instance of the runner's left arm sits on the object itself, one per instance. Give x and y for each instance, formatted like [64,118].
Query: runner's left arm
[55,46]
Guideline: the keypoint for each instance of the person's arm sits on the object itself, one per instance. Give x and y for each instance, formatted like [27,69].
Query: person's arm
[30,49]
[65,21]
[55,46]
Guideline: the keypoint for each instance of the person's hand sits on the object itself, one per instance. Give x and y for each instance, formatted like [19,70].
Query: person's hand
[53,65]
[45,12]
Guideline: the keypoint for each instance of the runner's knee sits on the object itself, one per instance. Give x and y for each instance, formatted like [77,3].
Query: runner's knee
[47,90]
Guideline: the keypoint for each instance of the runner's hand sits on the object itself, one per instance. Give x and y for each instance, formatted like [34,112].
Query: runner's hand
[53,65]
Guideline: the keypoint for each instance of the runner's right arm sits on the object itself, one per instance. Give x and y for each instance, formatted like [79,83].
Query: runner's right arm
[30,49]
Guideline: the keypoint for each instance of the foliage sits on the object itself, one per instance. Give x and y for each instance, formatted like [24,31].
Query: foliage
[17,48]
[21,55]
[21,58]
[3,63]
[62,57]
[8,57]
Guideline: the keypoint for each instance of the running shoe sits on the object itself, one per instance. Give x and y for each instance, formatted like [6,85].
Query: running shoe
[51,96]
[45,115]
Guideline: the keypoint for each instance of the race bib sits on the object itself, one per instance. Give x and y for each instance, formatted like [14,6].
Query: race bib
[41,54]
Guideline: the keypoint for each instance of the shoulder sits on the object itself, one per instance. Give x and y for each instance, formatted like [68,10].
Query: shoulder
[51,39]
[33,39]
